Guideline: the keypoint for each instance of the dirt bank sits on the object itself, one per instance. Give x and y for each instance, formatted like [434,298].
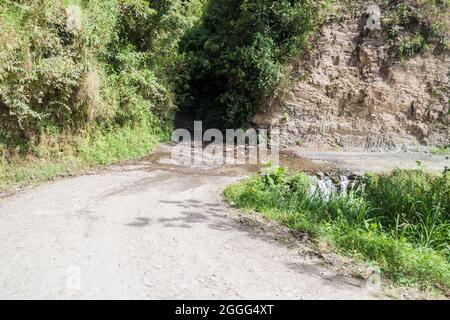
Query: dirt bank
[150,230]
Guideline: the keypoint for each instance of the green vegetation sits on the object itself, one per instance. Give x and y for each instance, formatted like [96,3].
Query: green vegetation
[401,221]
[92,82]
[75,69]
[77,77]
[416,26]
[58,159]
[441,151]
[238,53]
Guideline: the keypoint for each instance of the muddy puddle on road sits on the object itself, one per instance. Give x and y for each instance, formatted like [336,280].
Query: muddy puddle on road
[162,159]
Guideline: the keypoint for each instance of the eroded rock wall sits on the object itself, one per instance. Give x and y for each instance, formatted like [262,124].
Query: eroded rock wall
[348,92]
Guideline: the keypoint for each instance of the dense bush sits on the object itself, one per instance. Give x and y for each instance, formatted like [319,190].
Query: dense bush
[69,66]
[238,53]
[399,220]
[415,26]
[40,66]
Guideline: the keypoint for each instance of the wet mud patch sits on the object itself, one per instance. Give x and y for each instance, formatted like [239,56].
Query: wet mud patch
[162,159]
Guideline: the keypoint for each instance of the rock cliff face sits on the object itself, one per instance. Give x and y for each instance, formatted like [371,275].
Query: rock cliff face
[349,92]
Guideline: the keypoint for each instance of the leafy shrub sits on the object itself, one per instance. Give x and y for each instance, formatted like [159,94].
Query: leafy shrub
[236,56]
[82,65]
[412,46]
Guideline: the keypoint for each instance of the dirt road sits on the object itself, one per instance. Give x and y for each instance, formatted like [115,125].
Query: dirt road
[148,231]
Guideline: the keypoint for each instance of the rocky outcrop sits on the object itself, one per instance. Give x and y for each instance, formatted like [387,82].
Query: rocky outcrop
[349,92]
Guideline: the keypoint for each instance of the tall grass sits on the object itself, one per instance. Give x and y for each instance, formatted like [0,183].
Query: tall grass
[412,205]
[98,148]
[399,220]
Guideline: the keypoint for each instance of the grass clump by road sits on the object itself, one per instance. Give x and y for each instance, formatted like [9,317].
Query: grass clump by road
[399,221]
[441,151]
[59,157]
